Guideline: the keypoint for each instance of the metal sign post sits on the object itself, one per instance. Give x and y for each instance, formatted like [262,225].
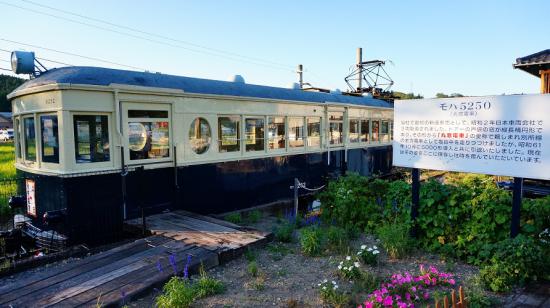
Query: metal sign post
[516,207]
[415,174]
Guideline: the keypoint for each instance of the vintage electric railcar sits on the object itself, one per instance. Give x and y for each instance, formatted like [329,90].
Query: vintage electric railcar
[104,143]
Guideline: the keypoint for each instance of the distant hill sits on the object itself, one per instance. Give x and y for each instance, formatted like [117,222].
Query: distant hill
[7,84]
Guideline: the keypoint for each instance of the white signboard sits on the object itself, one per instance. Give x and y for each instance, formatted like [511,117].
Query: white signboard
[497,135]
[31,201]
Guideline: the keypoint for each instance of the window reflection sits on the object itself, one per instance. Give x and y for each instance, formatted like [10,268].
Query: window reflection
[296,132]
[148,140]
[276,133]
[375,130]
[365,130]
[50,139]
[91,138]
[254,134]
[314,132]
[30,139]
[353,130]
[229,132]
[199,135]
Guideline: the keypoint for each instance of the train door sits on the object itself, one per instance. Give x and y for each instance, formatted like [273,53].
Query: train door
[148,157]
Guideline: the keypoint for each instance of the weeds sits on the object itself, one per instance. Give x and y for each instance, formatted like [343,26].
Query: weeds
[395,239]
[235,218]
[254,216]
[311,241]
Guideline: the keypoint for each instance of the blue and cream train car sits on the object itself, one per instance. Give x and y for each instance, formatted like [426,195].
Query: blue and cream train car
[104,143]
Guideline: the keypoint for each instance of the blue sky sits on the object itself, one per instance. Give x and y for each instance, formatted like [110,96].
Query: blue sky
[434,46]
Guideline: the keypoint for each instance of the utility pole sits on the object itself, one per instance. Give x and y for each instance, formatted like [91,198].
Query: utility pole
[360,68]
[301,75]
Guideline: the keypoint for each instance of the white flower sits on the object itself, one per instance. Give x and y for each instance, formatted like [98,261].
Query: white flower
[339,267]
[374,247]
[335,287]
[326,280]
[348,258]
[333,282]
[359,252]
[356,264]
[375,252]
[318,284]
[324,288]
[341,262]
[370,249]
[363,246]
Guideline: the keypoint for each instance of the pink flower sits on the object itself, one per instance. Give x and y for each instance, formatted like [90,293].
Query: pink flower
[388,301]
[401,305]
[452,281]
[413,289]
[434,281]
[408,296]
[426,295]
[367,305]
[379,298]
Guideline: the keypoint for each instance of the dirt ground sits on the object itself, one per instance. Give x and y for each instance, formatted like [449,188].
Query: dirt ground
[286,278]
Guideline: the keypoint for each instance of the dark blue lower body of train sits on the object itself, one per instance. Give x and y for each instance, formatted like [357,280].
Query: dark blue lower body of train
[95,203]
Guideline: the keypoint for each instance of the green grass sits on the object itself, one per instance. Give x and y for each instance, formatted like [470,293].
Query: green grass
[7,171]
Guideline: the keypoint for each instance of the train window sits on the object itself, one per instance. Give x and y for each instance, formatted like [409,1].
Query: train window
[155,114]
[365,131]
[228,133]
[314,132]
[336,127]
[50,139]
[199,135]
[254,134]
[91,133]
[30,139]
[375,130]
[276,132]
[296,132]
[354,130]
[148,140]
[17,137]
[385,131]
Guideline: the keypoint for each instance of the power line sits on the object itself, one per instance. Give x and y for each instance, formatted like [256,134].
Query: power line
[73,54]
[157,35]
[142,37]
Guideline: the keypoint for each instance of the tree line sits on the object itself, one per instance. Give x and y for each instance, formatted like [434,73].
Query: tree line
[7,85]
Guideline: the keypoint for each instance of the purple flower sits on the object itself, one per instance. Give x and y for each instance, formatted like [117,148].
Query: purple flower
[123,297]
[159,266]
[186,269]
[172,259]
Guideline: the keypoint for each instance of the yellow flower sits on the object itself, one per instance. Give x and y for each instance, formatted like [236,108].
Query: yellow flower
[441,240]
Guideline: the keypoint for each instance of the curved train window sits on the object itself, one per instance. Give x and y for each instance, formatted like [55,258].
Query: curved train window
[199,135]
[336,127]
[228,134]
[91,134]
[296,132]
[148,134]
[50,138]
[385,131]
[375,130]
[30,139]
[276,133]
[365,131]
[254,134]
[314,132]
[354,130]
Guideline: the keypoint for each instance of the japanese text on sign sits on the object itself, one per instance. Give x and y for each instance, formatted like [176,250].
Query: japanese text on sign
[500,135]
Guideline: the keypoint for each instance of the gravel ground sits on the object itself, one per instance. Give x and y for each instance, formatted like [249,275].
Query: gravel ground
[286,278]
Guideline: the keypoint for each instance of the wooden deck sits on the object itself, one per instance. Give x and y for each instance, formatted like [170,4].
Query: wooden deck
[129,270]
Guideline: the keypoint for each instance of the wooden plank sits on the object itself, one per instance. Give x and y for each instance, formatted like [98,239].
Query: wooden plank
[82,277]
[147,281]
[20,283]
[92,290]
[38,284]
[209,218]
[202,224]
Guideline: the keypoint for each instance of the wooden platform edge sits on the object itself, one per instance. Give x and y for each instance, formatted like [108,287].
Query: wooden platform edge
[225,256]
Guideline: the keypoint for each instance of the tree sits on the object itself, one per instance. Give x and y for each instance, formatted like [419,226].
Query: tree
[402,95]
[443,95]
[7,85]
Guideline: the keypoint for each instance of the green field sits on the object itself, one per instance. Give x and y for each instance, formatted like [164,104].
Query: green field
[7,174]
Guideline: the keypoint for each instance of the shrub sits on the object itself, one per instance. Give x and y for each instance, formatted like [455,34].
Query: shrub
[254,216]
[395,239]
[311,240]
[331,295]
[515,261]
[349,268]
[477,298]
[284,232]
[252,268]
[337,239]
[366,282]
[207,286]
[235,218]
[278,251]
[368,255]
[177,292]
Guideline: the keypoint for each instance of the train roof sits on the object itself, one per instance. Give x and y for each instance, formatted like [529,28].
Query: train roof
[98,76]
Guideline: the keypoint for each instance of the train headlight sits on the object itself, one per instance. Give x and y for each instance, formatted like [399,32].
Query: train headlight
[22,62]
